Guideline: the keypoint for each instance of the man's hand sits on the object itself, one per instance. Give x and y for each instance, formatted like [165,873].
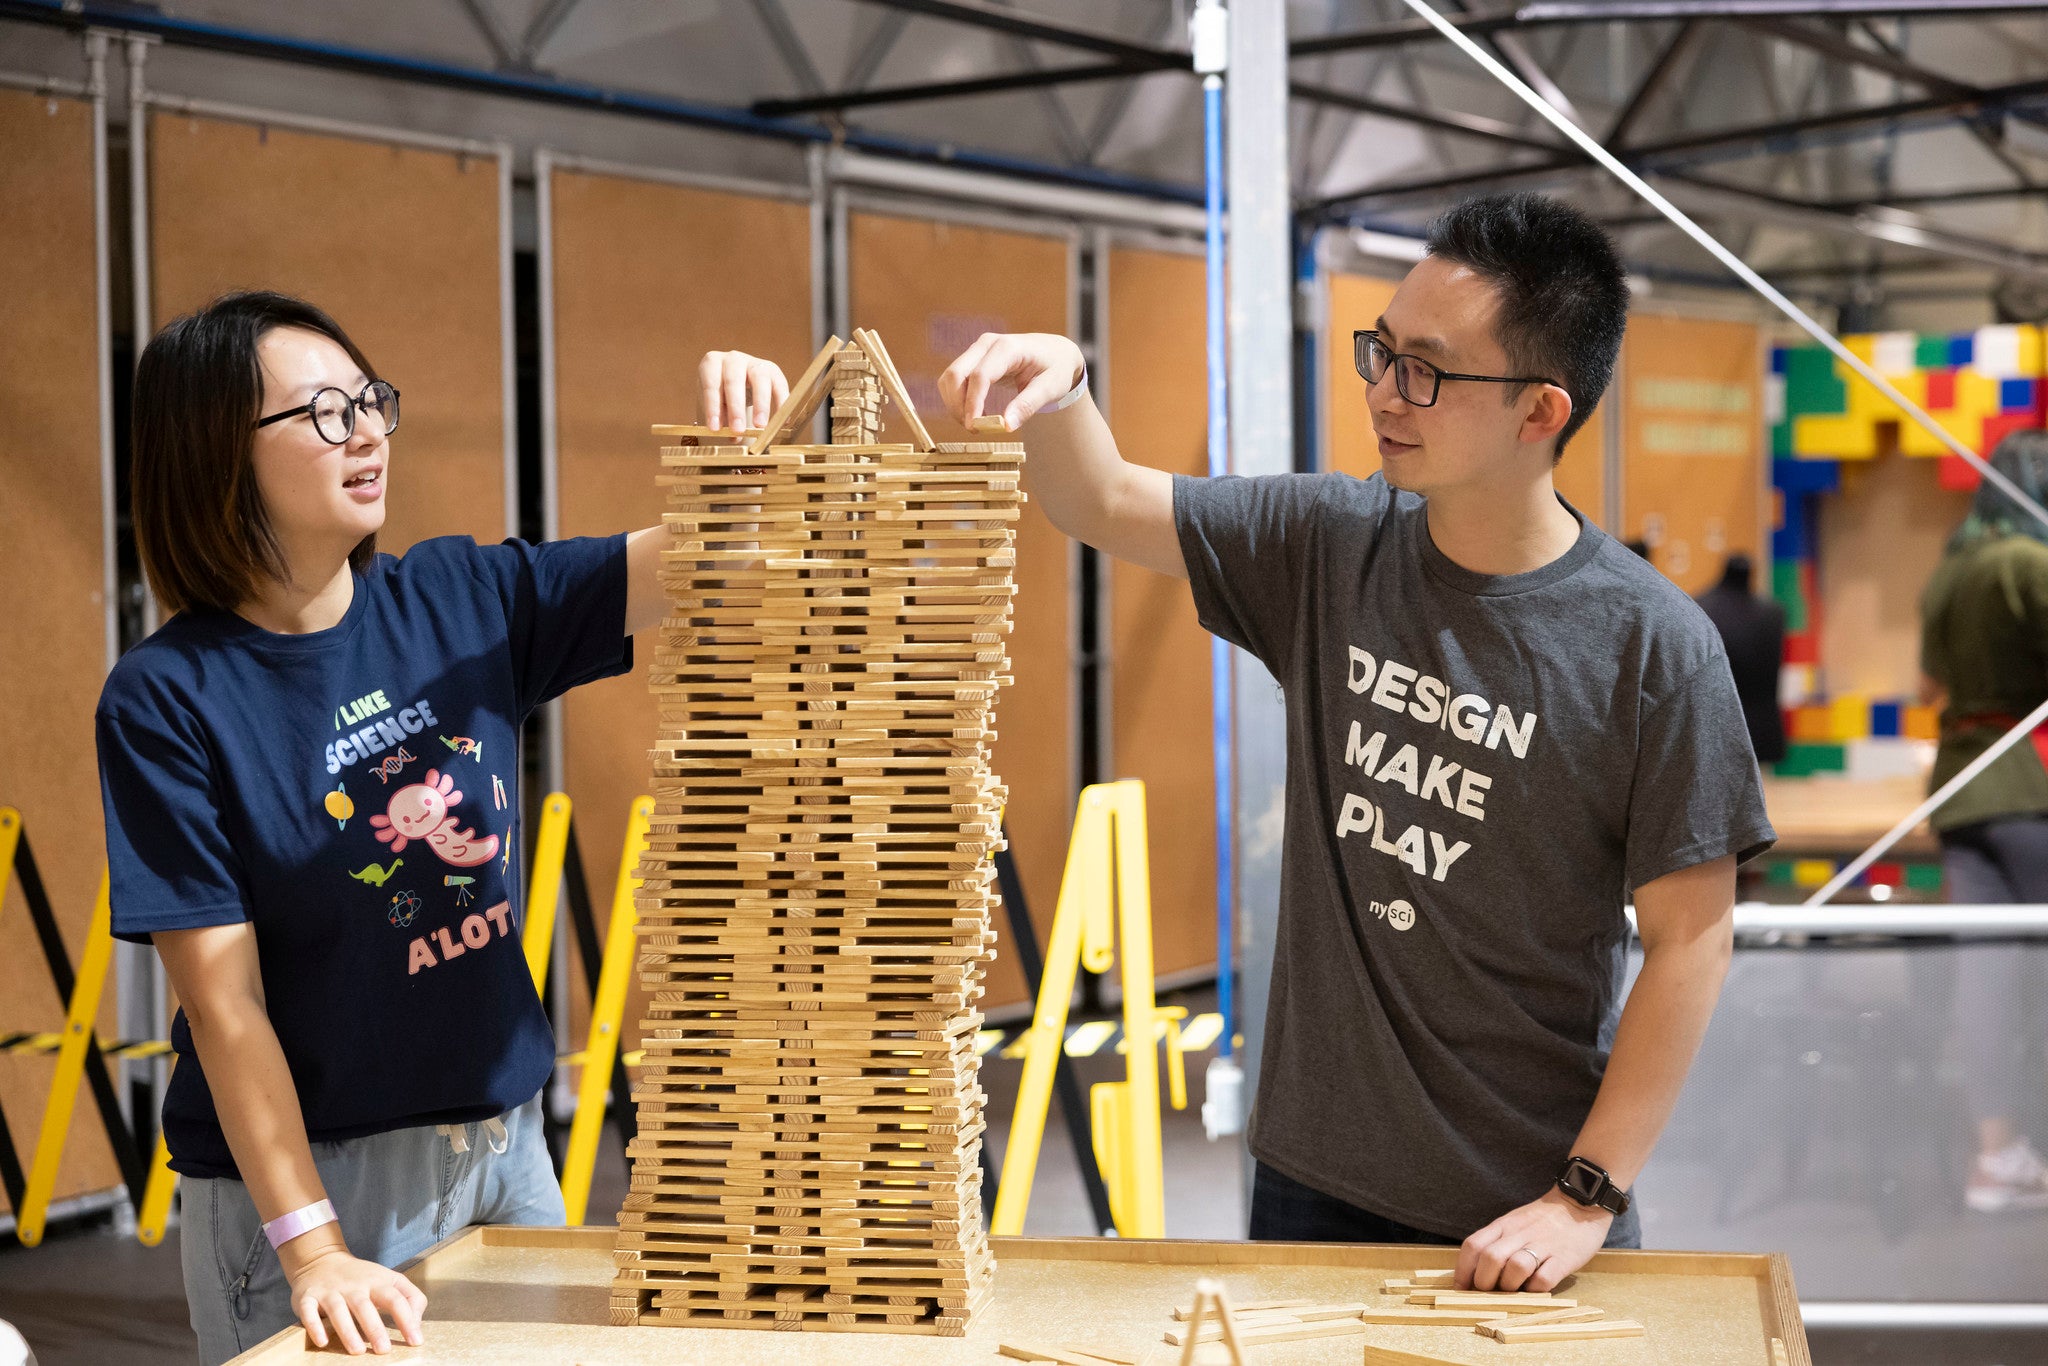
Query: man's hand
[1040,366]
[738,392]
[1074,472]
[350,1293]
[1534,1247]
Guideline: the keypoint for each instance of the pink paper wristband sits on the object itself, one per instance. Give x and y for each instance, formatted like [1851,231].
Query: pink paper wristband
[284,1228]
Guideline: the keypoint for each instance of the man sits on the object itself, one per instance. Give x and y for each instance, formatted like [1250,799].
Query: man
[1499,722]
[1753,633]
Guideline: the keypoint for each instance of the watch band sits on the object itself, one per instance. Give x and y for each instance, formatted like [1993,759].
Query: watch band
[1588,1183]
[284,1228]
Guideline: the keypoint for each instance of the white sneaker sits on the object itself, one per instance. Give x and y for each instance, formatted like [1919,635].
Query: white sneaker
[2014,1178]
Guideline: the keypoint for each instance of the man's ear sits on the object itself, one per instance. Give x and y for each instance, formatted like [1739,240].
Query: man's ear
[1548,416]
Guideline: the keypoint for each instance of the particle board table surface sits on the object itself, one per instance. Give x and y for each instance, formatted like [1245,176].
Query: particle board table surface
[1843,816]
[530,1295]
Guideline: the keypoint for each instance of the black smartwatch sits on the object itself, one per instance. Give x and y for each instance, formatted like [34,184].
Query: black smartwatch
[1590,1185]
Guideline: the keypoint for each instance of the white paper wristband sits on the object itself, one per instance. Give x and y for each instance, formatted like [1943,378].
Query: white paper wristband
[284,1228]
[1072,396]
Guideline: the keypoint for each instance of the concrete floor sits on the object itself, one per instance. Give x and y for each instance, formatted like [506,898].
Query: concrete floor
[89,1298]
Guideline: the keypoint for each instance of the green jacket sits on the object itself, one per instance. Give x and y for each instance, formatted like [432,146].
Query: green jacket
[1984,637]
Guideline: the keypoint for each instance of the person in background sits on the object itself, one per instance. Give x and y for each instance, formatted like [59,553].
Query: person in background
[1984,651]
[1753,632]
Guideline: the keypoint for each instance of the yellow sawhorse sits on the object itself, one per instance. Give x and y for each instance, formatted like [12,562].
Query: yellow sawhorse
[600,1052]
[1104,913]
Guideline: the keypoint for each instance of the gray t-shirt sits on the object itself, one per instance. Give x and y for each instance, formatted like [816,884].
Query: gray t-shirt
[1479,770]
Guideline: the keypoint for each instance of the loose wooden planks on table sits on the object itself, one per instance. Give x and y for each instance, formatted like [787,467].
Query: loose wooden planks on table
[539,1297]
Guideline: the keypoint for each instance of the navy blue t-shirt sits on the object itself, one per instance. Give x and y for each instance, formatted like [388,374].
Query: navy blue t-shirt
[353,793]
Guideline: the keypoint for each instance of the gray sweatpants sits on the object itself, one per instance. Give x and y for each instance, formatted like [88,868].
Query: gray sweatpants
[397,1193]
[1989,863]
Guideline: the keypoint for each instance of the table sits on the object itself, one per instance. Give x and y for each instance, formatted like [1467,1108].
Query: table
[513,1296]
[1823,817]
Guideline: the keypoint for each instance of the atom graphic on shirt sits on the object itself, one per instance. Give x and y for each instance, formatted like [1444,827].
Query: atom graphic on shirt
[404,907]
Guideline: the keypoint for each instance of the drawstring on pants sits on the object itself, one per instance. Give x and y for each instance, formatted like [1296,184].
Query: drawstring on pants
[495,1134]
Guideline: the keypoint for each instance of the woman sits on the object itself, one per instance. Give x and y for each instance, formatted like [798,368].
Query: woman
[311,788]
[1984,643]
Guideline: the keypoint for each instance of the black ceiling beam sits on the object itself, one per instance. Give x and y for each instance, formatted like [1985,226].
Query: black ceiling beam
[1767,134]
[1977,195]
[1000,19]
[1464,125]
[838,101]
[1400,31]
[1829,43]
[1606,11]
[1764,136]
[1535,16]
[1653,81]
[1890,61]
[1438,185]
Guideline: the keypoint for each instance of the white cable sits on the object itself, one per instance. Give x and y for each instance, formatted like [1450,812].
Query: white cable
[1927,808]
[1726,257]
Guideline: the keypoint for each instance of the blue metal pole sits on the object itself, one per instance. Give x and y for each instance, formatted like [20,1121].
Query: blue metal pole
[1219,464]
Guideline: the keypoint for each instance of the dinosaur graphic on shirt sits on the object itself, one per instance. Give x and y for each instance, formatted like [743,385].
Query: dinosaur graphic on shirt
[376,876]
[420,811]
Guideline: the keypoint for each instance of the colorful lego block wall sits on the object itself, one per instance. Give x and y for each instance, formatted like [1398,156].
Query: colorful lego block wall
[1978,386]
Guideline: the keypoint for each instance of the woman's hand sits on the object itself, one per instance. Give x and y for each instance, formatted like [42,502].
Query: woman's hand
[1039,365]
[350,1293]
[738,392]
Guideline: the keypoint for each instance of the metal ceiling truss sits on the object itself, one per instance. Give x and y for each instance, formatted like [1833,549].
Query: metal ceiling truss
[1840,34]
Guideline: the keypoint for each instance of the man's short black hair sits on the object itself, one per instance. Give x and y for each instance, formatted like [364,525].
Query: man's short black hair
[1563,291]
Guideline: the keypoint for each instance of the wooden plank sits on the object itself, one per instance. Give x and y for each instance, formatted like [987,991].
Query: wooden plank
[1515,1303]
[892,383]
[1582,1314]
[804,397]
[1514,1333]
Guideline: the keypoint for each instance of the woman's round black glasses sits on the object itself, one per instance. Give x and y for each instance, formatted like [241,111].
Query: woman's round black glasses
[1415,379]
[334,412]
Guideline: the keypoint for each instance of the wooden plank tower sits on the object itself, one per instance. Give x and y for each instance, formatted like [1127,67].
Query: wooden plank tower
[815,915]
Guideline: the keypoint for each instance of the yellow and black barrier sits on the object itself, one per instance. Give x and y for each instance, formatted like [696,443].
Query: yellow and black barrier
[80,1058]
